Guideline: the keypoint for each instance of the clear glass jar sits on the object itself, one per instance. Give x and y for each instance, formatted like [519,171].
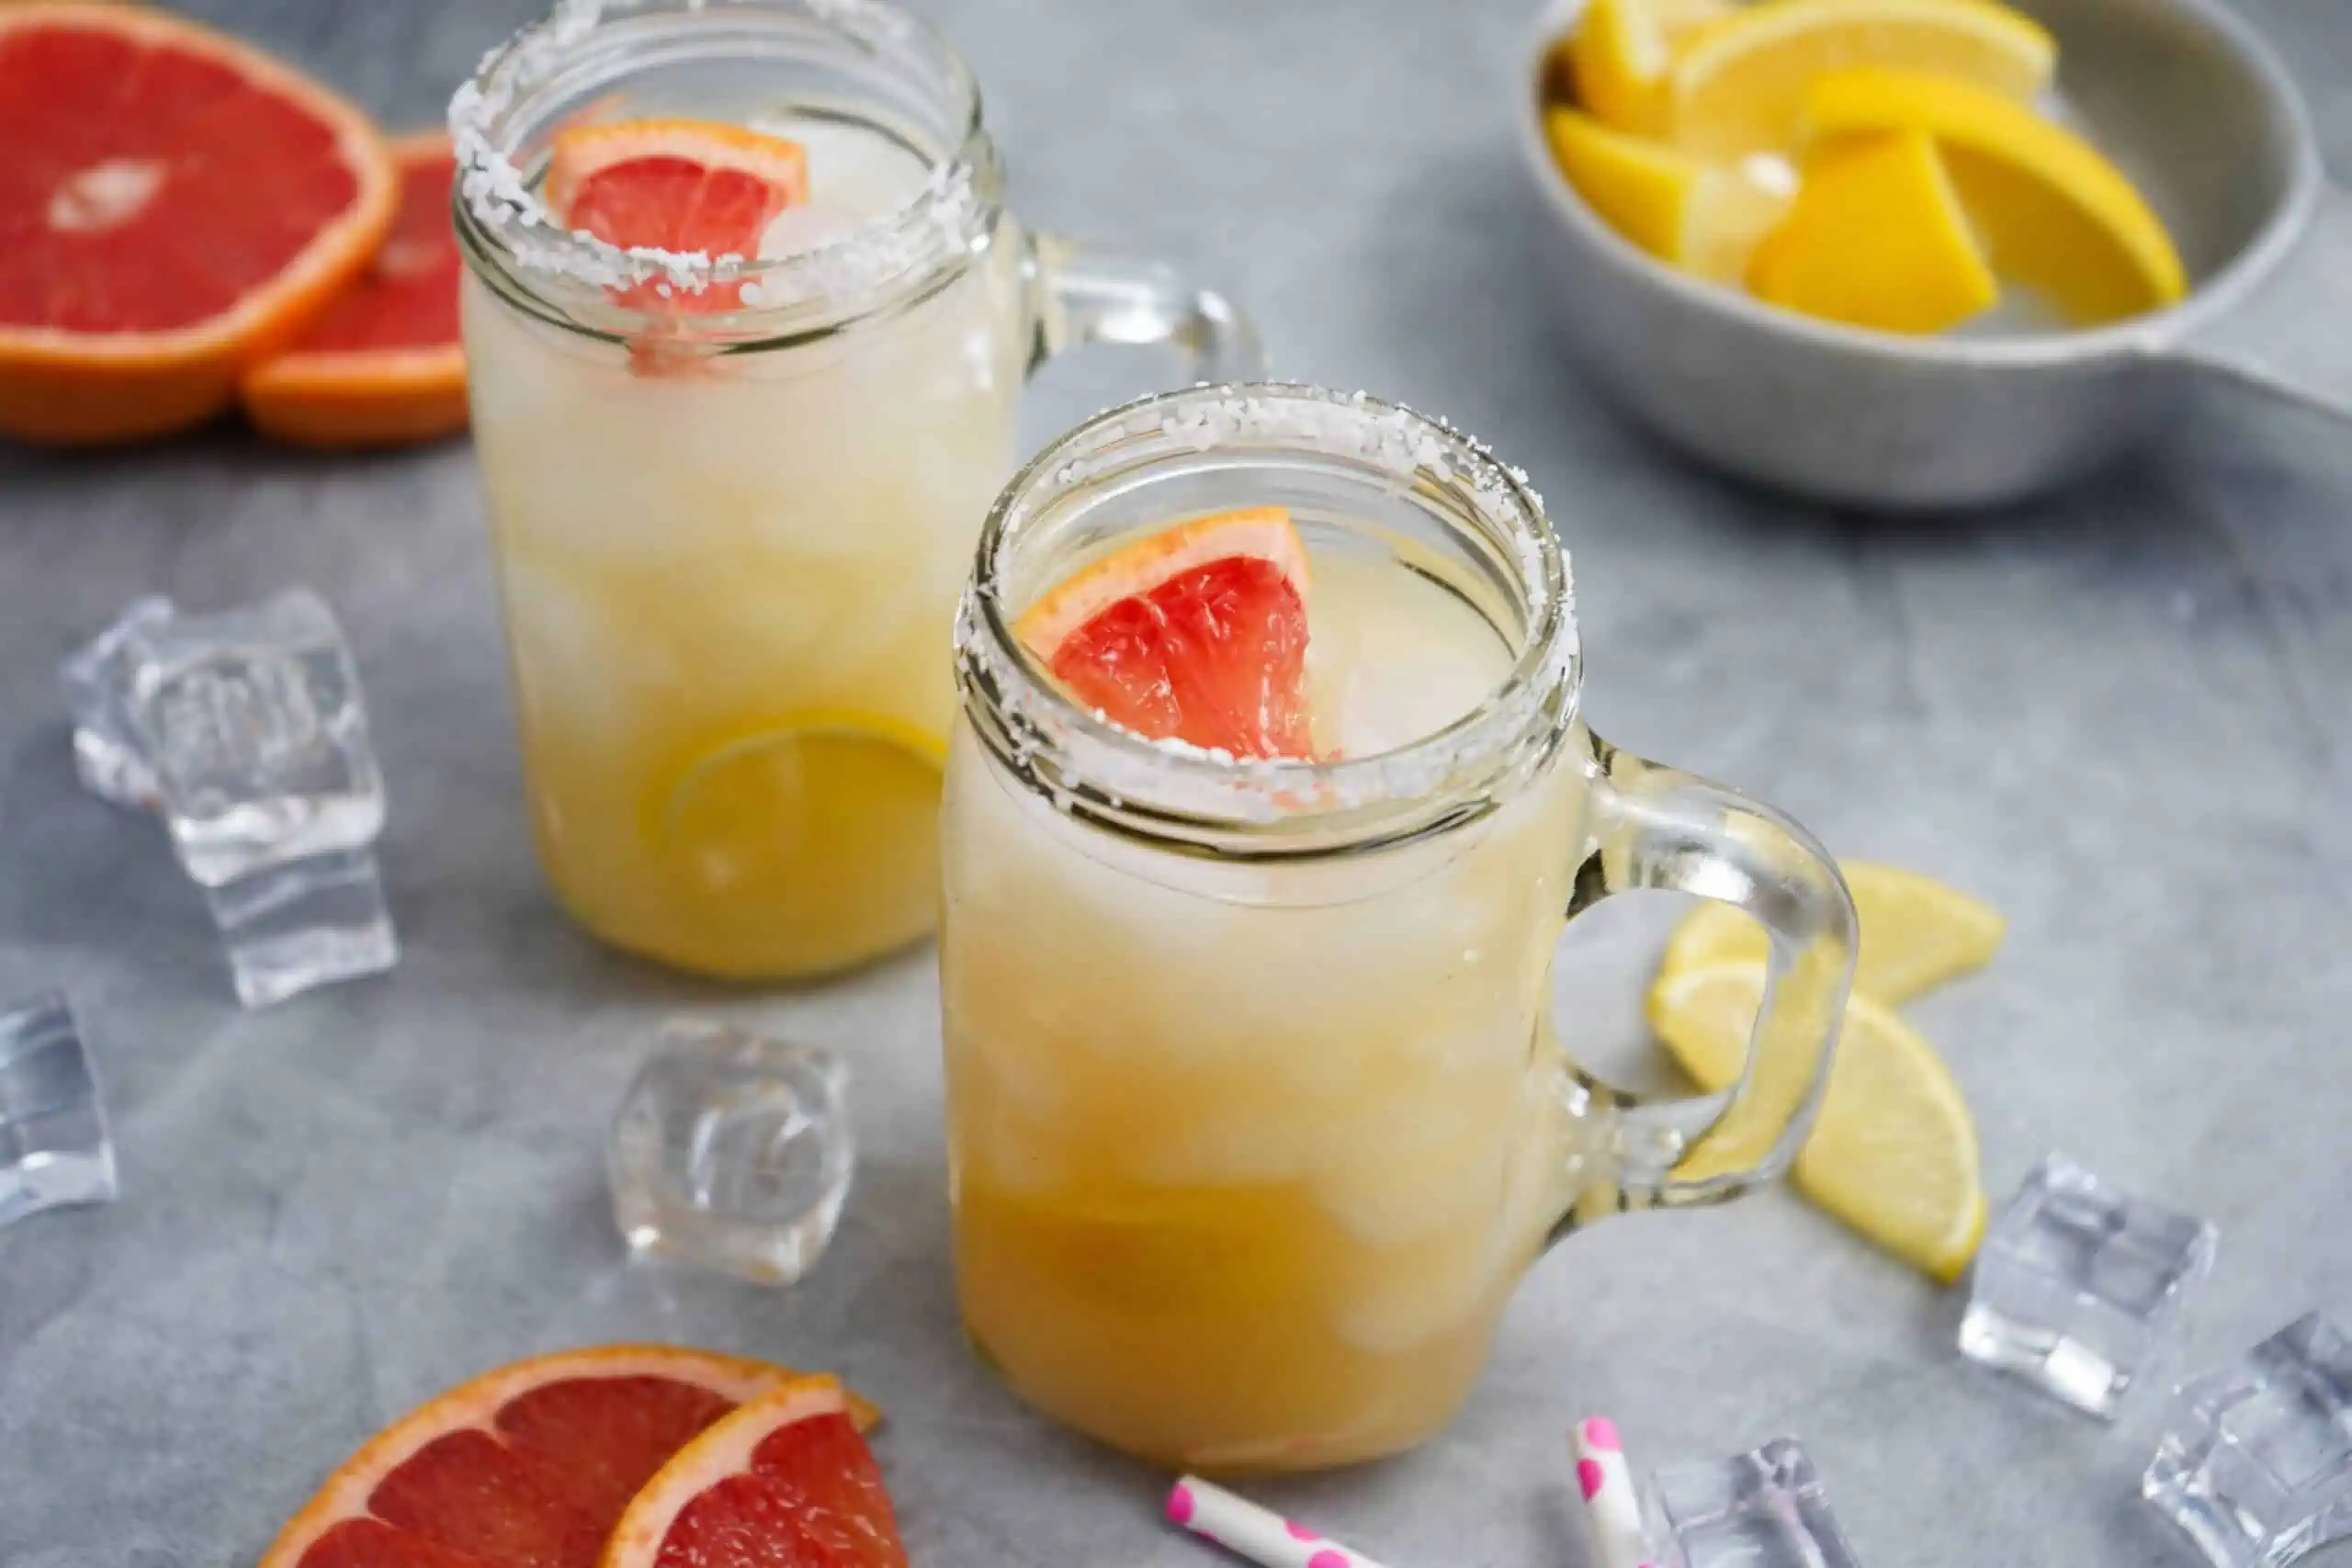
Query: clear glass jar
[1255,1112]
[729,543]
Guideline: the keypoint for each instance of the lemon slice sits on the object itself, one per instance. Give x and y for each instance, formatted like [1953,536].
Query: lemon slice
[1704,219]
[1917,934]
[1619,55]
[1740,86]
[1877,238]
[842,800]
[2052,212]
[1894,1152]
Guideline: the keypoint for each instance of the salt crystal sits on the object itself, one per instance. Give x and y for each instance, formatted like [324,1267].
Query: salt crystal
[798,230]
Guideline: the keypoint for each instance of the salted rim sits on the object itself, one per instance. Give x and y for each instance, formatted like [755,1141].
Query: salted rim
[1086,763]
[945,221]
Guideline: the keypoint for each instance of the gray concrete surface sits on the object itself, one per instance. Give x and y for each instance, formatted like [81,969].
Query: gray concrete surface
[2120,715]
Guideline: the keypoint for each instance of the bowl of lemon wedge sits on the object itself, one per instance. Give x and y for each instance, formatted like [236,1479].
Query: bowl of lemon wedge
[1919,255]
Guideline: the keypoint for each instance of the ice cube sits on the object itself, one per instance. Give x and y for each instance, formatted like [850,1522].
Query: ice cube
[2256,1464]
[53,1143]
[2078,1288]
[98,684]
[245,732]
[251,724]
[1764,1509]
[732,1151]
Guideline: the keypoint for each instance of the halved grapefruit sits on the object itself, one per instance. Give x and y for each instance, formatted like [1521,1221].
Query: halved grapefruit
[525,1467]
[174,207]
[689,186]
[383,366]
[1197,633]
[786,1482]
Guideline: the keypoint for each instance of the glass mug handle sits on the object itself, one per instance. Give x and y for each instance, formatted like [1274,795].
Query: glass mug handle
[1658,827]
[1083,294]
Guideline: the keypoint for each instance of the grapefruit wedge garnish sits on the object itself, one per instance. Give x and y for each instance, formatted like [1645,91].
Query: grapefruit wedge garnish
[383,364]
[688,186]
[786,1482]
[526,1467]
[1196,634]
[174,207]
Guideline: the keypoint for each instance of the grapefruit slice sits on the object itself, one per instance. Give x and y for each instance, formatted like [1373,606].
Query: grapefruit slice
[525,1467]
[1197,633]
[383,366]
[689,186]
[783,1482]
[174,207]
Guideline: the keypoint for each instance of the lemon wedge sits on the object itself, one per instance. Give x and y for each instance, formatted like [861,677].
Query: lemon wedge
[1618,57]
[750,817]
[2053,213]
[1917,934]
[1876,239]
[1894,1151]
[1702,219]
[1741,84]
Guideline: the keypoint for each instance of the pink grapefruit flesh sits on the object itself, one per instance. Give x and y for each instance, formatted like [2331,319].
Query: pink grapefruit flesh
[1196,634]
[526,1467]
[174,206]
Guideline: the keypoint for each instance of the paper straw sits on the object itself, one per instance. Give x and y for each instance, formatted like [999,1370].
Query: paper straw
[1247,1530]
[1606,1485]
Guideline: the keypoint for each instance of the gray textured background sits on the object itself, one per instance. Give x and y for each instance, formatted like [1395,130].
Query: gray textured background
[2118,714]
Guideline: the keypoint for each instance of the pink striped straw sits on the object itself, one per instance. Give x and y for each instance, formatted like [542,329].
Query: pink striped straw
[1247,1530]
[1606,1485]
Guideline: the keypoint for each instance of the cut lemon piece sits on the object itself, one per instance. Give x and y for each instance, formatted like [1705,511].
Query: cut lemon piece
[837,799]
[2052,212]
[1894,1152]
[1622,50]
[1917,934]
[1196,633]
[1704,219]
[1613,64]
[1876,239]
[1741,85]
[1617,59]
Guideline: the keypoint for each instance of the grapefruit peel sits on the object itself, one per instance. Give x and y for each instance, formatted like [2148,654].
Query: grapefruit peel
[71,387]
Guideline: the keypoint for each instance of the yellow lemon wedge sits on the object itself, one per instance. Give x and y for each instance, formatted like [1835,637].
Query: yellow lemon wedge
[1876,239]
[1917,934]
[835,798]
[1618,57]
[1894,1151]
[1740,86]
[1702,219]
[2052,212]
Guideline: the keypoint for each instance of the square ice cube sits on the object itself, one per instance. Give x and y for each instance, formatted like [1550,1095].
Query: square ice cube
[732,1151]
[98,684]
[1764,1509]
[289,926]
[245,732]
[2077,1287]
[53,1144]
[251,724]
[2256,1464]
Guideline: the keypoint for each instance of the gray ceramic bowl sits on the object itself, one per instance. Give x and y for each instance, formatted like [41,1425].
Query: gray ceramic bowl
[2189,102]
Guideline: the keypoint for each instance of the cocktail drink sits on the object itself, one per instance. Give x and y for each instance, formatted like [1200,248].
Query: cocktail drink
[744,384]
[1255,1112]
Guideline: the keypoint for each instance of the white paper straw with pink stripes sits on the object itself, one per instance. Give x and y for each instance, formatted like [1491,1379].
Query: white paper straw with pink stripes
[1259,1534]
[1607,1485]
